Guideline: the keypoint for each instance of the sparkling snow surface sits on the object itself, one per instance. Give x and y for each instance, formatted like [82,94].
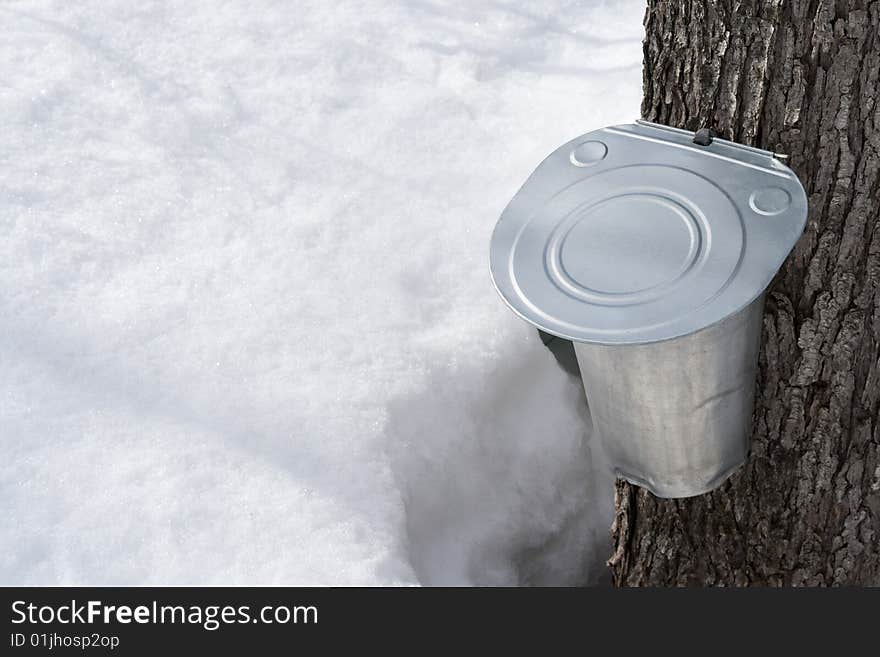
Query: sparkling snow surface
[247,330]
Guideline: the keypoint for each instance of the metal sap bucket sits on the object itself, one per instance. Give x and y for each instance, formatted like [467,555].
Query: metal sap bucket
[652,253]
[674,416]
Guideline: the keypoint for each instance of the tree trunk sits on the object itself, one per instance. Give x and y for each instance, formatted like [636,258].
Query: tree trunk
[798,77]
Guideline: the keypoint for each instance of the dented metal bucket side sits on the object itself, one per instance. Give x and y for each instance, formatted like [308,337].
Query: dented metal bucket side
[674,416]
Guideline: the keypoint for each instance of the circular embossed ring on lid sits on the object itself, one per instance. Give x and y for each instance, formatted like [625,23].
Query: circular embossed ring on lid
[630,235]
[578,252]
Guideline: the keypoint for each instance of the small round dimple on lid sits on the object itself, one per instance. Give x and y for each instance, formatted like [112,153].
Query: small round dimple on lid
[635,234]
[588,153]
[770,200]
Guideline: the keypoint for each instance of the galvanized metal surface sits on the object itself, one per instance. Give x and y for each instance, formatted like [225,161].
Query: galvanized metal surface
[652,253]
[674,416]
[634,234]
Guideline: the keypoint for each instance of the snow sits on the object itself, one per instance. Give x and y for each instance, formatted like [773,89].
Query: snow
[247,331]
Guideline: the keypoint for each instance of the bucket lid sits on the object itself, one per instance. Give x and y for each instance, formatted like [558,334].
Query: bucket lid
[634,233]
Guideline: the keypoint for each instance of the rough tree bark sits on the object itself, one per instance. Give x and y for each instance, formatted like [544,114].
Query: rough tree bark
[798,77]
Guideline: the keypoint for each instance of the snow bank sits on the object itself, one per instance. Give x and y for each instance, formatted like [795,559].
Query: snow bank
[247,332]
